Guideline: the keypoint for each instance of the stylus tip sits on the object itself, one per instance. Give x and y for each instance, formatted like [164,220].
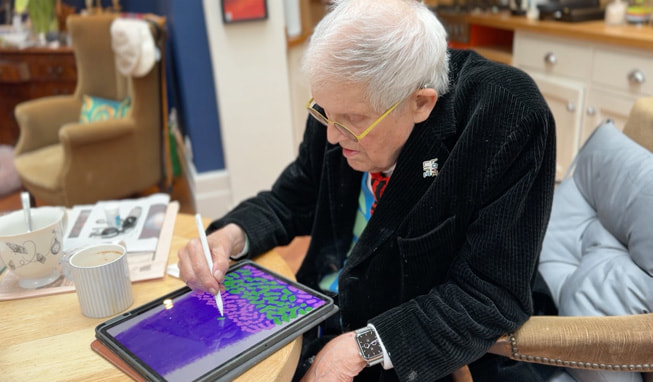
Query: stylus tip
[218,302]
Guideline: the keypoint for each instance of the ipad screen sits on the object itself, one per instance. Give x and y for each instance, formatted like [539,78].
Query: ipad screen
[184,337]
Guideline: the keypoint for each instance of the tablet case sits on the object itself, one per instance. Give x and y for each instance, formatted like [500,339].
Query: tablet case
[110,356]
[278,339]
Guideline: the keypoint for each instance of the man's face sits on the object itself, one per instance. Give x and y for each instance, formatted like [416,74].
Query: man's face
[378,150]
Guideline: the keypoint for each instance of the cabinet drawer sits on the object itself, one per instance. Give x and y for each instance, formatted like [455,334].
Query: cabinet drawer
[12,72]
[551,55]
[53,67]
[623,70]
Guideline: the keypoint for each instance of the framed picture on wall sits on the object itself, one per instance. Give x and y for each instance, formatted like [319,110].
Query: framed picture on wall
[244,10]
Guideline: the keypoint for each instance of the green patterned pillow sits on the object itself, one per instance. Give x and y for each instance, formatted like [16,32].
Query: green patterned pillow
[99,109]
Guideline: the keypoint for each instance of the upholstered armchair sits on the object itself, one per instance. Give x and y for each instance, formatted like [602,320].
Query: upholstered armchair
[597,260]
[609,343]
[62,161]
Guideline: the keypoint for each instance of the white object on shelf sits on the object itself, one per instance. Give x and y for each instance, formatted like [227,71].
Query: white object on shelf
[615,13]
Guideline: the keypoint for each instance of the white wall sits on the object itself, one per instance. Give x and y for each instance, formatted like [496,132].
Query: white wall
[250,68]
[300,91]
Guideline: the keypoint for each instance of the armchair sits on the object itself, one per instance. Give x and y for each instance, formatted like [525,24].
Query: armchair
[597,262]
[64,162]
[608,343]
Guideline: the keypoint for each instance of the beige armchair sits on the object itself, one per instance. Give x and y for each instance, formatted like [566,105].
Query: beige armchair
[600,343]
[63,162]
[614,343]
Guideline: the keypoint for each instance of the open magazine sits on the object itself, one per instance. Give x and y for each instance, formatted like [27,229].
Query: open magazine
[138,225]
[145,228]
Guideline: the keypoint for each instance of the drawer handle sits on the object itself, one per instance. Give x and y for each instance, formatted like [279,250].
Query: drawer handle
[55,71]
[571,107]
[591,111]
[550,58]
[636,77]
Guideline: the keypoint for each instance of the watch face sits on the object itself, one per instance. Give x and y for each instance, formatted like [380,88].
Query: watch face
[369,345]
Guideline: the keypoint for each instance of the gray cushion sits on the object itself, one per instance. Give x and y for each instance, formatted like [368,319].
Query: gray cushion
[597,255]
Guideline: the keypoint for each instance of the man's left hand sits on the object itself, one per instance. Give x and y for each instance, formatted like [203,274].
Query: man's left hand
[338,361]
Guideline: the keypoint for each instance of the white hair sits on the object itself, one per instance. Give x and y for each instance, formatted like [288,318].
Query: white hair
[392,47]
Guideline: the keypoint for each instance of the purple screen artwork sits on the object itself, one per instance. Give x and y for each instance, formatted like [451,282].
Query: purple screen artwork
[186,337]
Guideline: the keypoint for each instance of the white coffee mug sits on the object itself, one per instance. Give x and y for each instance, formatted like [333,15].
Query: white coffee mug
[34,256]
[101,276]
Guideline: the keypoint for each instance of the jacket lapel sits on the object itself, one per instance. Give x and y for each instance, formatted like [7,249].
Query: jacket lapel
[343,184]
[407,183]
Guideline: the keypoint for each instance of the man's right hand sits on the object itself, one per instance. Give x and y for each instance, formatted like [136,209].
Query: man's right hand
[193,268]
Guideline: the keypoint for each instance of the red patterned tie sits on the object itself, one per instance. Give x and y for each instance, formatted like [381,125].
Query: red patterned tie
[379,181]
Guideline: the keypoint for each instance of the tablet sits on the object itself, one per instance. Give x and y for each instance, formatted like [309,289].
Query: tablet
[182,337]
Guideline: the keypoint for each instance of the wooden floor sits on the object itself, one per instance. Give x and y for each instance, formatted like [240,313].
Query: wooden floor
[293,253]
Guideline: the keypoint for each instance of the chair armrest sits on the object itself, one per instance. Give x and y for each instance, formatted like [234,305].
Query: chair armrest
[82,134]
[617,343]
[40,120]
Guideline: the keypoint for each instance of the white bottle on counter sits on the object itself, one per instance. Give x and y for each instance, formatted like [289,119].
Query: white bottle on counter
[615,12]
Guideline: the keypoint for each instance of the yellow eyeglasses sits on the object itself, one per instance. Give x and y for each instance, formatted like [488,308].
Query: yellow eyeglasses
[310,105]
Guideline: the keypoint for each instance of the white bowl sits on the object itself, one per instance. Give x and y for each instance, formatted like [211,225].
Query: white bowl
[15,38]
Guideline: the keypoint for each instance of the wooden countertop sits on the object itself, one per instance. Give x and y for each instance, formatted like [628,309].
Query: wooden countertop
[634,36]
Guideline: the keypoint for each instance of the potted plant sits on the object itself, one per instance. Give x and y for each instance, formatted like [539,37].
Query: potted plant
[42,16]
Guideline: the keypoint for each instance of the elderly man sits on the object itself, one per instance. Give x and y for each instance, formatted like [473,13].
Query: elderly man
[425,179]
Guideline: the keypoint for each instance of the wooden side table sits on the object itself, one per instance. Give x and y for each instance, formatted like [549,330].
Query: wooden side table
[32,73]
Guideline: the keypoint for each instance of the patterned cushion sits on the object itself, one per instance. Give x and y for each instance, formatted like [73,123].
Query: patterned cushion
[99,109]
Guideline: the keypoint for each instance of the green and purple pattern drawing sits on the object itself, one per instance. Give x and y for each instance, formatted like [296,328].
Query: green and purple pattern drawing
[189,332]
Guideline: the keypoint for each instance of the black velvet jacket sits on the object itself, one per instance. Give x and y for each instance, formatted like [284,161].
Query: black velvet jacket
[446,263]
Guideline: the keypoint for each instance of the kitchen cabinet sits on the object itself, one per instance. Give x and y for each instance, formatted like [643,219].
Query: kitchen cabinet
[583,83]
[602,105]
[565,99]
[587,71]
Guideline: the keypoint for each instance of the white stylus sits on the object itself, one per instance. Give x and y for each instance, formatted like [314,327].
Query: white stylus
[209,258]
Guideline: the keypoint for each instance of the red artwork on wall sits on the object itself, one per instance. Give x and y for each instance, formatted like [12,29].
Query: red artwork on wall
[244,10]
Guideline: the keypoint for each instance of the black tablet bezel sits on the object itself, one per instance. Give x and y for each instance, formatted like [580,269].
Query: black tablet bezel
[239,363]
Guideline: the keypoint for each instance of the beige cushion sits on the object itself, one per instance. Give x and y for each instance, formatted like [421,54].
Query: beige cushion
[639,126]
[42,167]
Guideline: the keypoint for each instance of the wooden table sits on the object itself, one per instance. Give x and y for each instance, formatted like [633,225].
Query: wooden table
[48,339]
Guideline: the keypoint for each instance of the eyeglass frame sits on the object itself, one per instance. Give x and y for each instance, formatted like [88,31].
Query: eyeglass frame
[344,130]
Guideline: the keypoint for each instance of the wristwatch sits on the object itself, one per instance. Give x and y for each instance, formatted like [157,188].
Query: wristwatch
[369,346]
